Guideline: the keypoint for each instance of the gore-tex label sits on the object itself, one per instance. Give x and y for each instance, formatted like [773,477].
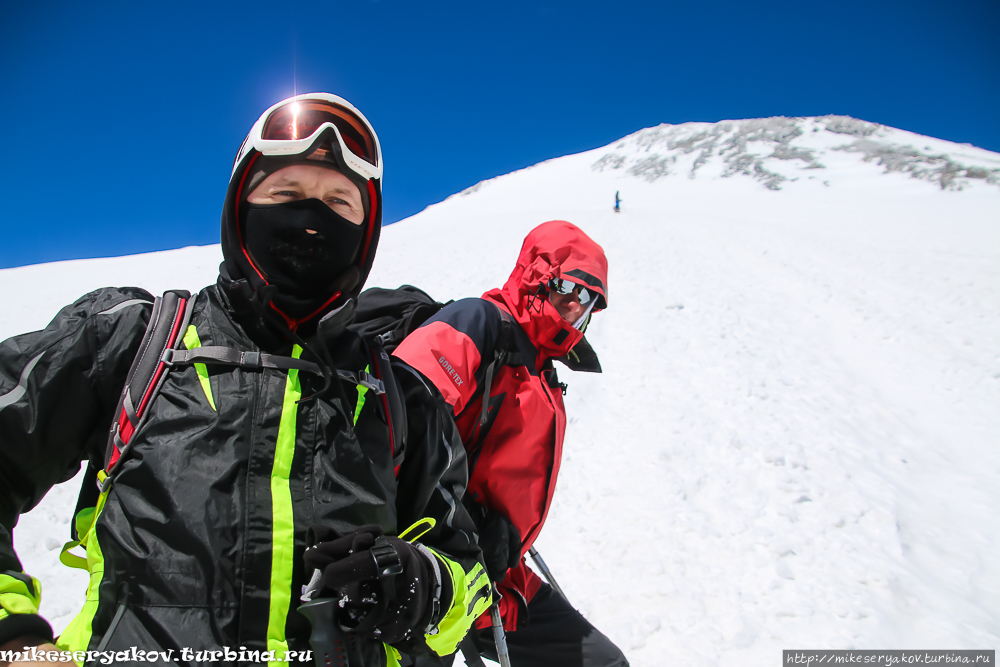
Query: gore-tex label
[450,370]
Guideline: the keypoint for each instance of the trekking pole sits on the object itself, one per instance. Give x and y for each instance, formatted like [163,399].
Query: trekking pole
[546,572]
[331,645]
[498,635]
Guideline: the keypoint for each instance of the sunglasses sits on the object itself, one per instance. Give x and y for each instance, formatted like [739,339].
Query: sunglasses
[561,286]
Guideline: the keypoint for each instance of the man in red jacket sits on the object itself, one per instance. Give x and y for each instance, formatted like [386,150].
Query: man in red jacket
[502,346]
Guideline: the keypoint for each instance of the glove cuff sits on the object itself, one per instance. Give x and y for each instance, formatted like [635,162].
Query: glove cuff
[435,605]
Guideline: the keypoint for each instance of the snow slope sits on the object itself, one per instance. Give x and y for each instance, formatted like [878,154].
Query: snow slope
[794,443]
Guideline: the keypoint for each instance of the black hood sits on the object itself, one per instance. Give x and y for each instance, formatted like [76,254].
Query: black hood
[296,308]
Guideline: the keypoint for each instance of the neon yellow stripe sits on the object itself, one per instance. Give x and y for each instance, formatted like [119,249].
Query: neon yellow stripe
[17,598]
[70,559]
[283,523]
[76,636]
[418,529]
[362,390]
[470,598]
[84,520]
[192,341]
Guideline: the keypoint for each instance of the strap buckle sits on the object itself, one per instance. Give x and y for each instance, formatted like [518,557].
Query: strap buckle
[368,380]
[387,560]
[251,360]
[105,484]
[167,358]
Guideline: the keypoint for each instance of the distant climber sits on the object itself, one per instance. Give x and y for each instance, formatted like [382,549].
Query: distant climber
[618,202]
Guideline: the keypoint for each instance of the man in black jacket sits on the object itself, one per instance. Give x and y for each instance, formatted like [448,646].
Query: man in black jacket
[270,466]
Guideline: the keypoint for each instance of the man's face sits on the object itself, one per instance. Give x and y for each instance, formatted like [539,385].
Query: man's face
[305,181]
[568,305]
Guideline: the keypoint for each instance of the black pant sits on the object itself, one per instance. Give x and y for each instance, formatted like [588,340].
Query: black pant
[553,635]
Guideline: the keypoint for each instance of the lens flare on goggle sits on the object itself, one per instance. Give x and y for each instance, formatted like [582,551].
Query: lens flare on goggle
[301,120]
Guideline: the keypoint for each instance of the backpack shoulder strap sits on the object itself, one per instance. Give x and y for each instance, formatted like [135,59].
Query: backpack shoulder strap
[392,401]
[170,317]
[163,332]
[505,353]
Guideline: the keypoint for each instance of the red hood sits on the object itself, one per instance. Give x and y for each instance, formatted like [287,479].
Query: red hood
[554,249]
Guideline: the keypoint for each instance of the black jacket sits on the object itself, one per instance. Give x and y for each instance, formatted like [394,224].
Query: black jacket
[199,540]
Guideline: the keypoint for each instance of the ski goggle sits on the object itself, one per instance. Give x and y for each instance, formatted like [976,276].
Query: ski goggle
[295,125]
[561,286]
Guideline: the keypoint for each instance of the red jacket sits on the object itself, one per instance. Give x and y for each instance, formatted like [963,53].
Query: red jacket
[514,459]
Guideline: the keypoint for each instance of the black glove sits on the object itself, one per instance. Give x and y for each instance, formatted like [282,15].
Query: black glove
[389,589]
[501,544]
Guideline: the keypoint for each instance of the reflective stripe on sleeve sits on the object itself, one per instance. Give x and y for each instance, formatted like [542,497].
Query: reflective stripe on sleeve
[15,394]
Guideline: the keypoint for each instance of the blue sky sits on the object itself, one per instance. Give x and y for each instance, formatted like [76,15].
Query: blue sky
[123,118]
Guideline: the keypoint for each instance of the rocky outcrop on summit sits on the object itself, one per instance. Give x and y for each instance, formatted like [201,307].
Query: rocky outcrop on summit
[778,150]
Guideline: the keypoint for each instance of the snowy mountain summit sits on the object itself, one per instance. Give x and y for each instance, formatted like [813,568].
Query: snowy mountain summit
[778,151]
[795,440]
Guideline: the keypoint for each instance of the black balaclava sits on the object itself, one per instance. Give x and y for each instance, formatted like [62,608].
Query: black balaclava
[299,275]
[303,248]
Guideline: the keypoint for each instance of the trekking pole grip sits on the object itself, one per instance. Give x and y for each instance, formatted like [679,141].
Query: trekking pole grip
[332,646]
